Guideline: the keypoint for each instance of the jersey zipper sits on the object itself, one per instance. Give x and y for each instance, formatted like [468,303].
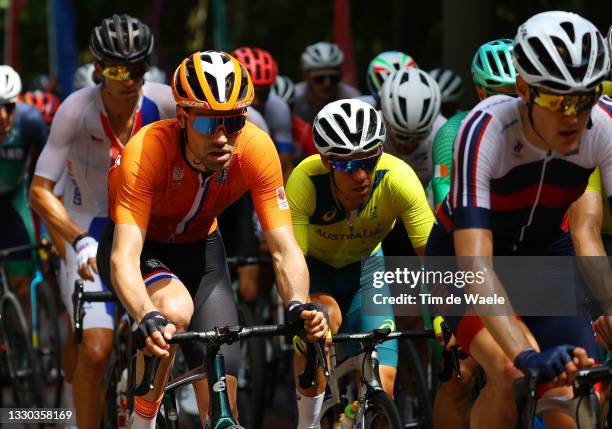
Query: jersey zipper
[535,204]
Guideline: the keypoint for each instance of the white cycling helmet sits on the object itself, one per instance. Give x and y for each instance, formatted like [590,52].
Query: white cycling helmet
[450,83]
[322,55]
[345,127]
[610,42]
[10,85]
[560,51]
[283,87]
[382,65]
[154,74]
[410,101]
[83,77]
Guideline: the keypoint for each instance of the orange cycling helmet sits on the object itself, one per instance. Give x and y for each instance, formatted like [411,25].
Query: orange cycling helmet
[45,102]
[212,80]
[259,63]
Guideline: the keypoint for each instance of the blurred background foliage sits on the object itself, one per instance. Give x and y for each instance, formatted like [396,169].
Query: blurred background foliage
[284,27]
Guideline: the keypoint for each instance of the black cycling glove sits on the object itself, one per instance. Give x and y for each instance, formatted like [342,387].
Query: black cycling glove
[151,322]
[294,311]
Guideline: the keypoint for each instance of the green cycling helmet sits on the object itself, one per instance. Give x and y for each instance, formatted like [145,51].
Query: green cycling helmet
[492,66]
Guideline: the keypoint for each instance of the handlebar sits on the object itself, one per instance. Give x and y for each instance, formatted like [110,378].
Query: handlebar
[216,337]
[5,253]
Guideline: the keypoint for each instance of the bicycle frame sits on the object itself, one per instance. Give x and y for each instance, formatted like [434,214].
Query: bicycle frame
[583,407]
[36,280]
[368,363]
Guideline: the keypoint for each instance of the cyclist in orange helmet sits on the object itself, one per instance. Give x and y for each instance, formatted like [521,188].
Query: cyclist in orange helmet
[162,253]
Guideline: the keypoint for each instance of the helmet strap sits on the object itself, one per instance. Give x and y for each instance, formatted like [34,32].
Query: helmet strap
[184,145]
[530,103]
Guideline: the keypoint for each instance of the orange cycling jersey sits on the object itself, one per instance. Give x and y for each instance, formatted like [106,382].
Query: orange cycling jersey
[153,186]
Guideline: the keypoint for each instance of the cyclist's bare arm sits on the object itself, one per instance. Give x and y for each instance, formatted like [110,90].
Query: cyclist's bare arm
[289,264]
[586,217]
[125,270]
[51,209]
[477,244]
[292,276]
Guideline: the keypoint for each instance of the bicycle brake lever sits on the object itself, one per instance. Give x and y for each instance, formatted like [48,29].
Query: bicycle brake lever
[453,354]
[79,311]
[320,348]
[148,378]
[307,377]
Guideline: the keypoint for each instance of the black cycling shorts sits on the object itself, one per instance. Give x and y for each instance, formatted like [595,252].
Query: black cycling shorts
[202,268]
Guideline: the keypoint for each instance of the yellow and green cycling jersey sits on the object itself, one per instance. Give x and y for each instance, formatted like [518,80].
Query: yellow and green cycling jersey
[607,88]
[595,185]
[326,232]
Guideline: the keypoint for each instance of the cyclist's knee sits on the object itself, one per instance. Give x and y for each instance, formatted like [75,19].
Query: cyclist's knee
[248,277]
[95,349]
[333,310]
[178,309]
[500,380]
[387,378]
[458,389]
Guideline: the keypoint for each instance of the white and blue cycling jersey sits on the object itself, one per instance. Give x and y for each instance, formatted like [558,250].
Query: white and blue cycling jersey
[520,192]
[82,142]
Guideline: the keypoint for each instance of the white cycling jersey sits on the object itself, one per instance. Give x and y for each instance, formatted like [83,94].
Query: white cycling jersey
[81,142]
[420,158]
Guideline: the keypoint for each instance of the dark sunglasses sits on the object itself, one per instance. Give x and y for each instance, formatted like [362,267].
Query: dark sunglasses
[208,125]
[350,166]
[320,79]
[409,138]
[8,107]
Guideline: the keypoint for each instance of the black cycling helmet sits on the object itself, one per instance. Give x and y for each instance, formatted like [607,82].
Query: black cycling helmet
[121,38]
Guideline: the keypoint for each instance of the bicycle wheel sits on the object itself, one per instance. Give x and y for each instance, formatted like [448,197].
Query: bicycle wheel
[381,412]
[411,356]
[23,363]
[251,380]
[49,346]
[115,413]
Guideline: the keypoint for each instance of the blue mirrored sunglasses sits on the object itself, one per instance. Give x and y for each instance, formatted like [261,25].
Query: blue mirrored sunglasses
[208,125]
[350,166]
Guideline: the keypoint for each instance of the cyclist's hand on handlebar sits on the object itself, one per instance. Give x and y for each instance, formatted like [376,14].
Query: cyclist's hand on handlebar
[558,364]
[86,248]
[580,361]
[152,333]
[313,317]
[603,329]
